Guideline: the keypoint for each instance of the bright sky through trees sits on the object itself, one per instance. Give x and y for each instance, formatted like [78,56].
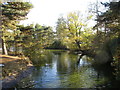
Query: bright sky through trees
[46,12]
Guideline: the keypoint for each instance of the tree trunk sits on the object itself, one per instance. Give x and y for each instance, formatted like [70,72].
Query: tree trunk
[80,58]
[78,44]
[16,48]
[4,48]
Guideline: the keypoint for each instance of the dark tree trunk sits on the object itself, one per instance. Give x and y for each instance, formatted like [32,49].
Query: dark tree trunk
[80,58]
[78,44]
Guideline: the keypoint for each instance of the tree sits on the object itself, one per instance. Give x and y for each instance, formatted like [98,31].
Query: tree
[70,30]
[61,25]
[44,35]
[109,24]
[12,13]
[36,35]
[75,25]
[110,19]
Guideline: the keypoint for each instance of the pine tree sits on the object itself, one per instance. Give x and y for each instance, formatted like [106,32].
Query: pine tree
[12,13]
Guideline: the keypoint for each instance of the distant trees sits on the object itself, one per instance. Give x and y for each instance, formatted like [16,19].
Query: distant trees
[35,38]
[61,25]
[36,35]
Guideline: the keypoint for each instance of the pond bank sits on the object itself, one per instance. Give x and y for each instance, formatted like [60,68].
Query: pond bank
[14,69]
[11,81]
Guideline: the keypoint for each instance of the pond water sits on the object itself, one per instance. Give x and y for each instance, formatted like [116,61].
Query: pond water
[59,69]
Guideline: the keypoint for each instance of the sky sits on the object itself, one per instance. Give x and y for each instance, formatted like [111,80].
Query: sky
[46,12]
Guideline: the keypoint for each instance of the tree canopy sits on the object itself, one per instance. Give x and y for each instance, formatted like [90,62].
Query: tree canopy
[12,13]
[72,29]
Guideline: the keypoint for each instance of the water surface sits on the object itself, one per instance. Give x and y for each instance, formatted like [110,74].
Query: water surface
[59,69]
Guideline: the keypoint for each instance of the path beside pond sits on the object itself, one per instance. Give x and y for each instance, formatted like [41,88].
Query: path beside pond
[7,58]
[14,68]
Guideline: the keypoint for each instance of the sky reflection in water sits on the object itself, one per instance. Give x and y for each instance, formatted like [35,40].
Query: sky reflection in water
[60,70]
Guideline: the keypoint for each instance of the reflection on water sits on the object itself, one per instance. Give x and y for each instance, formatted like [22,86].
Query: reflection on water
[58,69]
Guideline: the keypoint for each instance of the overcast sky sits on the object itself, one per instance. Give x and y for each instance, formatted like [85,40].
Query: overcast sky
[46,12]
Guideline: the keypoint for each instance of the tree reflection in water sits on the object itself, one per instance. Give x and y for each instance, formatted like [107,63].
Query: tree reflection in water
[58,69]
